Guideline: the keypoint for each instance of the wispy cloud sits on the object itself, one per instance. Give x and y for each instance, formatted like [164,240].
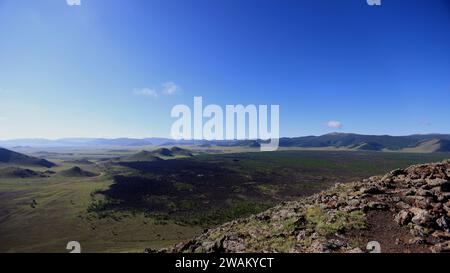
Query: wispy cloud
[425,123]
[170,88]
[333,124]
[146,92]
[3,118]
[73,2]
[167,89]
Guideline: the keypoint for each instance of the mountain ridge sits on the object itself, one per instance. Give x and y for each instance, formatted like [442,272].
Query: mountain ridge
[333,140]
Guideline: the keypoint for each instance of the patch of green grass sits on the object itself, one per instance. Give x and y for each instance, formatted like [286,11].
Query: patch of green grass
[98,206]
[184,186]
[215,235]
[290,225]
[267,188]
[96,192]
[274,244]
[326,224]
[218,216]
[188,205]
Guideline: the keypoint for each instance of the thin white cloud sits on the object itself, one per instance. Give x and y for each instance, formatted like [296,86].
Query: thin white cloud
[170,88]
[73,2]
[333,124]
[167,89]
[146,92]
[425,123]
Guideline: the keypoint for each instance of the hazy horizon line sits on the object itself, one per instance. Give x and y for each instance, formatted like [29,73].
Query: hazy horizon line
[169,138]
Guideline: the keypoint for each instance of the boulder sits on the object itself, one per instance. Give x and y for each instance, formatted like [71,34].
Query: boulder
[441,248]
[444,223]
[438,182]
[421,217]
[377,206]
[403,217]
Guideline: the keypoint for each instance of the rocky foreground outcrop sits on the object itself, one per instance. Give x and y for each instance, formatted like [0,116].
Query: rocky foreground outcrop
[406,210]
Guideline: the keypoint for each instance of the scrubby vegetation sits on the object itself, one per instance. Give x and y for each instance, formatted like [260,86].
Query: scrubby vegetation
[325,223]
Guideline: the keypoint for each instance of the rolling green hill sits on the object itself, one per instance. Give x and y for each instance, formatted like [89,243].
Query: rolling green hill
[15,172]
[157,154]
[370,142]
[141,156]
[77,172]
[13,158]
[431,146]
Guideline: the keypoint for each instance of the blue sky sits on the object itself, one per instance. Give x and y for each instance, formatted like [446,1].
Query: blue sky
[115,68]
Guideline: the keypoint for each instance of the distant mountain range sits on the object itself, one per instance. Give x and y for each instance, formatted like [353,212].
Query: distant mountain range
[412,143]
[82,142]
